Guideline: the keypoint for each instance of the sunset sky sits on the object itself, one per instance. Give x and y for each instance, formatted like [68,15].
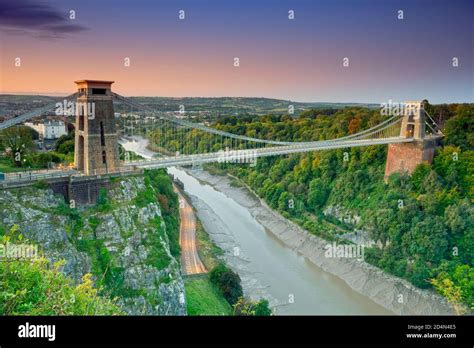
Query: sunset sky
[298,59]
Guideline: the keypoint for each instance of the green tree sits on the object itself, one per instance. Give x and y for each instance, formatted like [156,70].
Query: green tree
[379,225]
[17,141]
[318,194]
[228,282]
[247,307]
[459,129]
[448,289]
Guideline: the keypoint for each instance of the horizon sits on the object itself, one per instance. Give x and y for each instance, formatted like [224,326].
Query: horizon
[62,94]
[56,95]
[33,94]
[299,60]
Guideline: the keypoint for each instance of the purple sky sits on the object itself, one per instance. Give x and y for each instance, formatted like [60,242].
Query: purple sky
[300,59]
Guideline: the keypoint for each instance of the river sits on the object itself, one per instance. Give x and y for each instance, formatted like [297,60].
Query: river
[268,268]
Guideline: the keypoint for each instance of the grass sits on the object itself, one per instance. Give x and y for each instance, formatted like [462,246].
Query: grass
[236,183]
[6,169]
[214,169]
[204,299]
[6,166]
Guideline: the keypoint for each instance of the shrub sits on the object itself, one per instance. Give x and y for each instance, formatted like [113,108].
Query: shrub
[228,282]
[247,307]
[37,288]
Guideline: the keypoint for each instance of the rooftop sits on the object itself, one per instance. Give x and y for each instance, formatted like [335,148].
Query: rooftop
[94,83]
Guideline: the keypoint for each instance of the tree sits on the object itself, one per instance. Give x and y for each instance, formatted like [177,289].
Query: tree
[66,138]
[318,194]
[419,274]
[66,147]
[17,142]
[44,158]
[418,176]
[379,224]
[354,125]
[446,287]
[427,240]
[459,129]
[227,281]
[247,307]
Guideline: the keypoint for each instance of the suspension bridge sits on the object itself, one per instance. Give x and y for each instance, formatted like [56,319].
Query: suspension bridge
[183,142]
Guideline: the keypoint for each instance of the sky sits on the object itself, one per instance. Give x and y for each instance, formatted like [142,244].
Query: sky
[299,59]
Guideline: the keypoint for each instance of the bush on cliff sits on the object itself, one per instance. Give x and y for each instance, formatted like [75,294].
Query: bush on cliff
[36,287]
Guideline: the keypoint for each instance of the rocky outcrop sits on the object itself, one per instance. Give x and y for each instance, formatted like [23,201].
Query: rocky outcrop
[123,243]
[343,215]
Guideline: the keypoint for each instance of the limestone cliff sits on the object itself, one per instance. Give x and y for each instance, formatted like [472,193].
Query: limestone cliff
[122,241]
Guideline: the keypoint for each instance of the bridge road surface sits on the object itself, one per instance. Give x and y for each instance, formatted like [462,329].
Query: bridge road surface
[190,261]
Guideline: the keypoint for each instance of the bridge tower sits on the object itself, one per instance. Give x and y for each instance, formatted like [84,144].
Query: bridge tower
[96,142]
[404,157]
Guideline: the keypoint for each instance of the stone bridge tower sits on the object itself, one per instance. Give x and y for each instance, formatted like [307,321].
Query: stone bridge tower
[96,142]
[404,157]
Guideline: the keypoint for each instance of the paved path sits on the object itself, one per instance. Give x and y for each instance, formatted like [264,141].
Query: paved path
[190,261]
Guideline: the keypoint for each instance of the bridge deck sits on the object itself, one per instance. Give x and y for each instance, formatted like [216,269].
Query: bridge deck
[134,167]
[182,160]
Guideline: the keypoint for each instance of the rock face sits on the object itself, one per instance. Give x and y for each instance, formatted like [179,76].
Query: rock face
[343,215]
[122,242]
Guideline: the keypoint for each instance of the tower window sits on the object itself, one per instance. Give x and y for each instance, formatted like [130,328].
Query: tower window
[102,136]
[81,118]
[98,91]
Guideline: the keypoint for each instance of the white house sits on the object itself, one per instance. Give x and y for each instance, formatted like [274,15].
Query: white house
[48,129]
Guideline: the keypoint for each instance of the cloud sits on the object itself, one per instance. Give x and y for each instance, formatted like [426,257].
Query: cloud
[24,17]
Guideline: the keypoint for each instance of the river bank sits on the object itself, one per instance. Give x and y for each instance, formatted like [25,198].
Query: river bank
[392,293]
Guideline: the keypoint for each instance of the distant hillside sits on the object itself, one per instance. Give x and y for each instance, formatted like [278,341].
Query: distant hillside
[11,105]
[234,106]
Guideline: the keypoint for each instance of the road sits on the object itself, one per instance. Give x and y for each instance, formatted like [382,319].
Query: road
[190,261]
[40,174]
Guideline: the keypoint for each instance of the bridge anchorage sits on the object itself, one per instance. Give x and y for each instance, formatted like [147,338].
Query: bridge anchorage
[97,156]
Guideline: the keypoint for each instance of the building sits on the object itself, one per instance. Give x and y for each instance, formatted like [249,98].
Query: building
[49,129]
